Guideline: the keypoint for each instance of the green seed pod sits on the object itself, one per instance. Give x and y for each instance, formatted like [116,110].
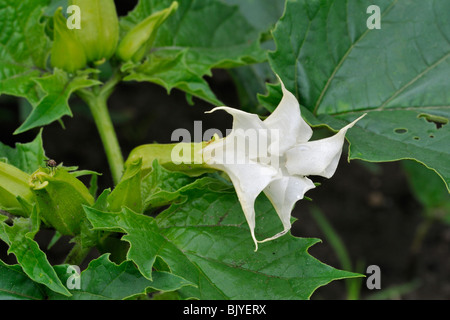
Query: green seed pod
[60,197]
[67,52]
[99,32]
[14,184]
[140,38]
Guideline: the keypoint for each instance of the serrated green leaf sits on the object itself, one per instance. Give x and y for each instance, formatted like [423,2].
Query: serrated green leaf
[24,47]
[199,36]
[211,229]
[3,235]
[16,285]
[250,82]
[261,14]
[89,238]
[397,135]
[162,187]
[143,230]
[33,261]
[207,241]
[336,66]
[58,88]
[27,157]
[104,280]
[169,69]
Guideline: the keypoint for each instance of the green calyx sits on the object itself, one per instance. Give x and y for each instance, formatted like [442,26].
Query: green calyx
[181,157]
[14,188]
[138,41]
[99,32]
[67,52]
[60,197]
[127,192]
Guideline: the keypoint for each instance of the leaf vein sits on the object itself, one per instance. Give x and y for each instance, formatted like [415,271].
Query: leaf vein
[341,62]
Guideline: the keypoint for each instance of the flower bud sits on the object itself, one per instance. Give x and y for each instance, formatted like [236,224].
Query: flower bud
[140,38]
[14,184]
[99,32]
[60,197]
[67,52]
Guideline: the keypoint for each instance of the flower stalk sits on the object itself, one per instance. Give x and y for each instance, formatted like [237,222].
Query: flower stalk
[97,103]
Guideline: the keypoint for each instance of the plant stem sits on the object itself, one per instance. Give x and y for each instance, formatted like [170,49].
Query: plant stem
[97,102]
[107,133]
[353,285]
[421,231]
[77,255]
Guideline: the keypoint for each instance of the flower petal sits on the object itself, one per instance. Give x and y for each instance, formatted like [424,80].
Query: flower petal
[249,135]
[284,193]
[319,157]
[248,181]
[249,178]
[287,119]
[241,119]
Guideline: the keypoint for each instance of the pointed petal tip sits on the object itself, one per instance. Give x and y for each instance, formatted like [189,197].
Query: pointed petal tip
[279,234]
[255,241]
[351,124]
[362,116]
[215,109]
[283,87]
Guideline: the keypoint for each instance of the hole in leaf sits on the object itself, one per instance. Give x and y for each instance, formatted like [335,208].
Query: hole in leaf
[416,138]
[431,135]
[401,130]
[437,120]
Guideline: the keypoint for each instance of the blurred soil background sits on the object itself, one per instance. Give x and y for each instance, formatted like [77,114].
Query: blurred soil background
[369,206]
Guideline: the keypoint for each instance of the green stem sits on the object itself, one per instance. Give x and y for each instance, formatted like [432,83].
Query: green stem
[97,102]
[421,232]
[105,128]
[353,285]
[77,255]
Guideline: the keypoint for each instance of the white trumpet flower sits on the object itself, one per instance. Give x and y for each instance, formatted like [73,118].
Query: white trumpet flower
[273,156]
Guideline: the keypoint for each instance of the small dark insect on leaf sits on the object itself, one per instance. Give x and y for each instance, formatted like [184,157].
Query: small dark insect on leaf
[51,163]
